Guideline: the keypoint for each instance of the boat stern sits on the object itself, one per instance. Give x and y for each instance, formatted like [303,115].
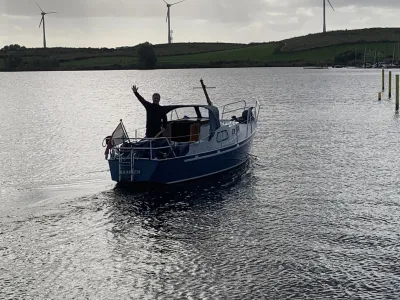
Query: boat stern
[138,171]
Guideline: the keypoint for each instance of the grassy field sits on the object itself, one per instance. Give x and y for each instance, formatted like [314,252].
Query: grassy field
[82,58]
[192,48]
[327,54]
[333,38]
[254,53]
[310,49]
[266,53]
[257,54]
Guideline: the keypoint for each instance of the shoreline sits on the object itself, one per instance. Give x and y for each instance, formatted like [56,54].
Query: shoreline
[168,67]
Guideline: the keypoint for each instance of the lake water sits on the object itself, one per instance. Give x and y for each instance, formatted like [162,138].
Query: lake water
[315,214]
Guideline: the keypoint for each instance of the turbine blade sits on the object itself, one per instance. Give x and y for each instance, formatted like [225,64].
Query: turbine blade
[41,20]
[39,7]
[165,2]
[331,4]
[53,12]
[177,2]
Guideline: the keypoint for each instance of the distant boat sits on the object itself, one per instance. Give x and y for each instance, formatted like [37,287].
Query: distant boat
[194,145]
[316,68]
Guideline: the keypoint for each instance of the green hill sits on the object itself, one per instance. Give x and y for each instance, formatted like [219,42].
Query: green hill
[341,37]
[336,47]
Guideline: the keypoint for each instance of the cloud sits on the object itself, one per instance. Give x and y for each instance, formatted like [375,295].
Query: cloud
[126,22]
[302,11]
[14,17]
[222,10]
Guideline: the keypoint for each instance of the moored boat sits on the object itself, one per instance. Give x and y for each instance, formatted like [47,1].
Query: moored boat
[197,143]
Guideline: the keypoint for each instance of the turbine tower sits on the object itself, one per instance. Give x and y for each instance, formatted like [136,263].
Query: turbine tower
[169,18]
[324,4]
[42,21]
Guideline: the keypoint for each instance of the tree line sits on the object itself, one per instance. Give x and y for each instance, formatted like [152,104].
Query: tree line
[17,58]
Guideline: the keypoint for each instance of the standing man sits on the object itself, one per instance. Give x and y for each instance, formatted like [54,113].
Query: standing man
[156,118]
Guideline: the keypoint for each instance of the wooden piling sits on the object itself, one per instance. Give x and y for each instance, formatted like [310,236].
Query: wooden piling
[379,96]
[383,80]
[397,94]
[390,85]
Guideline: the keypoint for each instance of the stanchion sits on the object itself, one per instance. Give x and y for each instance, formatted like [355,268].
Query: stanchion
[383,80]
[397,94]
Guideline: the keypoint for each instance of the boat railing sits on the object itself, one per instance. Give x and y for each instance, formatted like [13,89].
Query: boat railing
[237,106]
[240,106]
[131,145]
[138,132]
[255,112]
[257,109]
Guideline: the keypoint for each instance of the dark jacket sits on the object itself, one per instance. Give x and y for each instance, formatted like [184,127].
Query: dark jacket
[155,117]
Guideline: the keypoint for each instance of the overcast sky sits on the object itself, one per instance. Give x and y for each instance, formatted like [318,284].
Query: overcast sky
[114,23]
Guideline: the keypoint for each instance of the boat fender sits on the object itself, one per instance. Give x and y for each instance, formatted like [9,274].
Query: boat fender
[106,141]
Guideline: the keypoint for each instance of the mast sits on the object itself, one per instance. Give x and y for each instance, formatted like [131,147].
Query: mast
[205,92]
[365,55]
[394,51]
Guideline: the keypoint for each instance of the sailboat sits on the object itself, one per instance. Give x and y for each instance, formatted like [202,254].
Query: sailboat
[197,144]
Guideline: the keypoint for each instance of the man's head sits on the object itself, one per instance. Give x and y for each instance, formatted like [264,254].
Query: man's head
[156,98]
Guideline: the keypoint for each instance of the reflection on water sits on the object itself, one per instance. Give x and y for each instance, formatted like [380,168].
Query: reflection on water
[175,231]
[314,214]
[138,243]
[156,207]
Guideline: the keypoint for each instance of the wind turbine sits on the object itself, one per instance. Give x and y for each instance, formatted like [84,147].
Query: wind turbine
[169,18]
[42,20]
[324,3]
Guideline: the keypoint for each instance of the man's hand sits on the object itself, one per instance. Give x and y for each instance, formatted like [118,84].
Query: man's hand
[135,88]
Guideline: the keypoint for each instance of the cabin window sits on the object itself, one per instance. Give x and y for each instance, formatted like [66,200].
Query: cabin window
[222,136]
[233,131]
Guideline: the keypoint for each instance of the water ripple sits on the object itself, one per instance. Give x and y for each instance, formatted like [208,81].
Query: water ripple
[313,215]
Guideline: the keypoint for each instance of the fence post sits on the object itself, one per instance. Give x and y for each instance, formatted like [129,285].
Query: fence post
[397,94]
[383,80]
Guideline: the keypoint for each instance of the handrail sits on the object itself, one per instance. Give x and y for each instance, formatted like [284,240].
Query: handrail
[233,103]
[239,101]
[165,137]
[256,109]
[151,148]
[200,153]
[258,105]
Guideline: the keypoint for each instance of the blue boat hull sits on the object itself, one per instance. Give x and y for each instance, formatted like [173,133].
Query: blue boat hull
[184,168]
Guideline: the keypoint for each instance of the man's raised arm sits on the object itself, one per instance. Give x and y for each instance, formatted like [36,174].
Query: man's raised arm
[140,98]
